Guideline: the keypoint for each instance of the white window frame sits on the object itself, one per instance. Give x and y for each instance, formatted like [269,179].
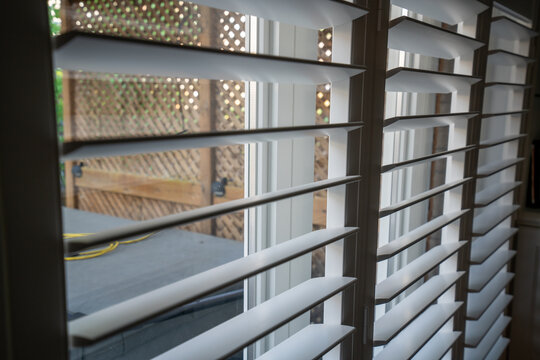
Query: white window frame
[276,165]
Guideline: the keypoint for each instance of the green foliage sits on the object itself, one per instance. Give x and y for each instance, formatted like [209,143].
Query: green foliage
[55,24]
[59,104]
[54,17]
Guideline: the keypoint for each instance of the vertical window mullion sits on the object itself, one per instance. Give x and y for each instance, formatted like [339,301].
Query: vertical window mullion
[374,54]
[337,166]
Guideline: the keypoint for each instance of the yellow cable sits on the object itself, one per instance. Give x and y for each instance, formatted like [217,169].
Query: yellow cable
[95,253]
[137,240]
[73,235]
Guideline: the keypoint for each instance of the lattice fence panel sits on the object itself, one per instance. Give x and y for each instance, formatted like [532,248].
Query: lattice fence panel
[322,114]
[230,115]
[321,155]
[323,106]
[110,105]
[131,207]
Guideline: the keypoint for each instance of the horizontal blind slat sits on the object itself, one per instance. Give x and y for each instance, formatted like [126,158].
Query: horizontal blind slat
[74,150]
[111,320]
[450,12]
[506,86]
[497,166]
[478,302]
[418,333]
[504,57]
[185,217]
[475,330]
[231,336]
[439,345]
[491,217]
[483,247]
[418,37]
[423,159]
[517,112]
[498,141]
[401,123]
[111,54]
[312,342]
[496,352]
[494,192]
[421,197]
[313,14]
[505,28]
[424,81]
[391,323]
[413,236]
[488,341]
[480,275]
[402,279]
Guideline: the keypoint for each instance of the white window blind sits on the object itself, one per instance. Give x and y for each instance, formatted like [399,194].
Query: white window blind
[105,53]
[422,137]
[427,120]
[503,128]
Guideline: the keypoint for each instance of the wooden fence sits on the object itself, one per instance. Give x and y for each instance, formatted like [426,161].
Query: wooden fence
[146,186]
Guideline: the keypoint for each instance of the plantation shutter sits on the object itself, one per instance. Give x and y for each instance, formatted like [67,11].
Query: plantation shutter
[503,128]
[418,301]
[457,82]
[96,52]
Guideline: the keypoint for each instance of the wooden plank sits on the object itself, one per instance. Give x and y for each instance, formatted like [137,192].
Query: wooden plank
[137,185]
[178,191]
[195,215]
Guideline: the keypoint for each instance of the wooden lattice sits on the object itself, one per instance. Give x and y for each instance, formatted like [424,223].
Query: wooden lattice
[322,117]
[323,107]
[112,105]
[130,207]
[167,21]
[230,108]
[321,156]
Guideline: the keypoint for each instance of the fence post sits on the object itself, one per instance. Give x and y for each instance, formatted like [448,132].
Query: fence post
[67,96]
[207,94]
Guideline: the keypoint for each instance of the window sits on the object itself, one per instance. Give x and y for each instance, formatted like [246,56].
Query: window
[156,154]
[423,175]
[263,180]
[429,146]
[502,130]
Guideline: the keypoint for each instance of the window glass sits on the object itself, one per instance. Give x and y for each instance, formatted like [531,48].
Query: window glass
[103,193]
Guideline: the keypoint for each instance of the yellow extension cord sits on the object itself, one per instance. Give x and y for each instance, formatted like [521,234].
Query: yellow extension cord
[95,253]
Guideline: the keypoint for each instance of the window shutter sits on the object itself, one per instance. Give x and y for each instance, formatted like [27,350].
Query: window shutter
[500,155]
[93,52]
[418,242]
[418,301]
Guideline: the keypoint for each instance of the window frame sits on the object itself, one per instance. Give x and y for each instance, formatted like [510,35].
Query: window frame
[33,318]
[25,273]
[276,165]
